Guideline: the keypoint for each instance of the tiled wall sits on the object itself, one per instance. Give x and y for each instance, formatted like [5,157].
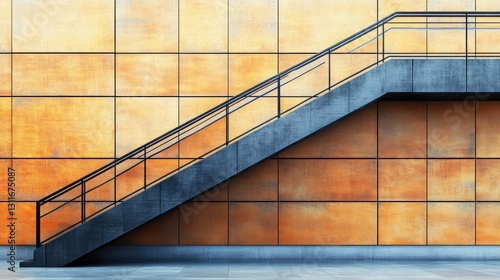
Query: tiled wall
[394,173]
[85,81]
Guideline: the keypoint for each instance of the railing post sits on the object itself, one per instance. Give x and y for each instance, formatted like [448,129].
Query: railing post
[38,224]
[466,36]
[227,124]
[330,70]
[83,202]
[383,42]
[279,96]
[144,167]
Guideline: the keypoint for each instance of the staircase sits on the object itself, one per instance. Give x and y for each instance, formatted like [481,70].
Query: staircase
[130,191]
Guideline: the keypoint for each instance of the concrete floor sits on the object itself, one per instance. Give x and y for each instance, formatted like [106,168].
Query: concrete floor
[269,270]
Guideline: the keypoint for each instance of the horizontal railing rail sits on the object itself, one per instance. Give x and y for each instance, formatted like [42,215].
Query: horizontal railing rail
[114,182]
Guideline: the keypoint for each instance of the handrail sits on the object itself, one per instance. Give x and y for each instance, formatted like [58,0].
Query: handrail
[224,108]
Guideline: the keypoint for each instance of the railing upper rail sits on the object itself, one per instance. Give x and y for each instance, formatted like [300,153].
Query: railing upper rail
[208,115]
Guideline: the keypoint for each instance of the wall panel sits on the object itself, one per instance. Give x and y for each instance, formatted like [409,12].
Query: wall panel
[253,223]
[487,127]
[203,223]
[402,180]
[451,180]
[258,183]
[5,25]
[5,128]
[197,75]
[402,223]
[63,26]
[451,223]
[146,26]
[5,75]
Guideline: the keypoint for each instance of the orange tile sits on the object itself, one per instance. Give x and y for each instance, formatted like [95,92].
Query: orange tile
[402,223]
[248,70]
[66,216]
[487,127]
[451,129]
[204,140]
[5,84]
[402,129]
[191,107]
[487,174]
[25,231]
[487,223]
[203,223]
[140,120]
[40,177]
[147,74]
[253,223]
[451,5]
[63,127]
[146,26]
[402,179]
[258,183]
[162,230]
[486,40]
[217,193]
[129,179]
[197,75]
[203,26]
[451,180]
[63,26]
[288,103]
[5,127]
[337,180]
[451,223]
[387,7]
[253,113]
[258,18]
[308,80]
[63,74]
[5,25]
[156,169]
[301,22]
[352,137]
[319,223]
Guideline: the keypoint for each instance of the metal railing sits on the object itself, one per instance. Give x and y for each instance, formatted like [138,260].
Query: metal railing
[402,34]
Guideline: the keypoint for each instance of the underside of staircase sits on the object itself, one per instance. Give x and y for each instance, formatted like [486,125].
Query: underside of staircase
[452,77]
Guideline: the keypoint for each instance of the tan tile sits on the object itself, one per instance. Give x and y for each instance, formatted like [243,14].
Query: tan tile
[451,223]
[258,18]
[5,25]
[487,223]
[387,7]
[140,120]
[487,127]
[147,74]
[402,129]
[203,26]
[63,127]
[5,78]
[248,70]
[37,175]
[309,80]
[204,141]
[319,180]
[253,223]
[452,180]
[5,127]
[321,223]
[162,230]
[352,137]
[487,174]
[146,26]
[203,223]
[402,180]
[197,75]
[63,26]
[450,133]
[402,223]
[63,74]
[301,23]
[450,5]
[258,183]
